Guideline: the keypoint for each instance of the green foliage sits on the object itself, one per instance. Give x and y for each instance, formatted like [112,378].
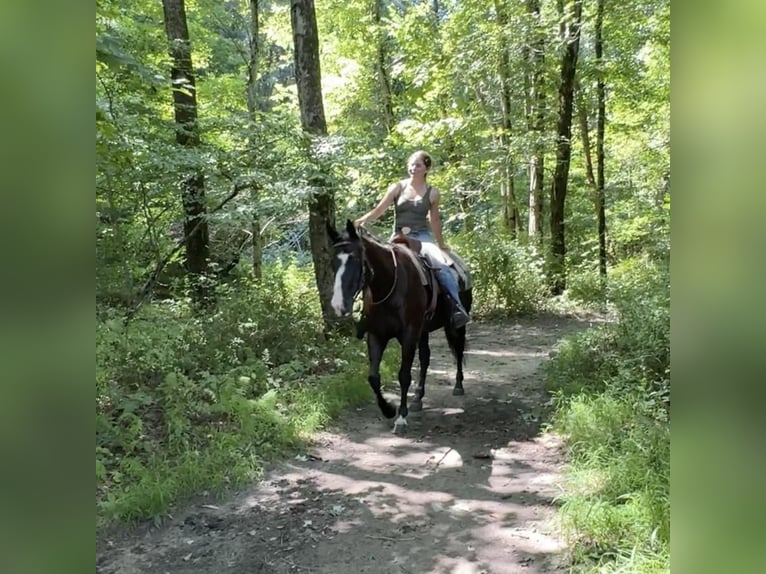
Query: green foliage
[612,385]
[186,401]
[508,276]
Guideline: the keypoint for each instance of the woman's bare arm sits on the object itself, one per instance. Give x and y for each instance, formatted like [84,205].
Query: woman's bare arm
[379,209]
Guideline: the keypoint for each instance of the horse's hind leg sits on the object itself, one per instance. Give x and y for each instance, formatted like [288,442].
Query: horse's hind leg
[375,348]
[409,343]
[456,341]
[424,357]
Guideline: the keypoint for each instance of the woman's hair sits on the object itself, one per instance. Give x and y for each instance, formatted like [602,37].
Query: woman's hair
[422,155]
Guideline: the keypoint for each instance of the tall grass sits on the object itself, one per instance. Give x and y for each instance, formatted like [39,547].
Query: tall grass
[612,386]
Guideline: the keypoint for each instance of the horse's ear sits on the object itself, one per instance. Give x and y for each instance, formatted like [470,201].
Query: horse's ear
[351,229]
[332,234]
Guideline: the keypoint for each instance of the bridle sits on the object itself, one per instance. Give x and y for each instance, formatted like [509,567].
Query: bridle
[367,269]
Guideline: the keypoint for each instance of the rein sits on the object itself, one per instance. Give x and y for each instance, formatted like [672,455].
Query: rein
[393,285]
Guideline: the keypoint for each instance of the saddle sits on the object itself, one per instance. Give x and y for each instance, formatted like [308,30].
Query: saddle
[411,248]
[453,260]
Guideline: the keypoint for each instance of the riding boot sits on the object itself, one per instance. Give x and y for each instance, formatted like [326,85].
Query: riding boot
[460,317]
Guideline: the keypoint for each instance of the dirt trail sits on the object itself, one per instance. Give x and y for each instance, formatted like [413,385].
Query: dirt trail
[468,490]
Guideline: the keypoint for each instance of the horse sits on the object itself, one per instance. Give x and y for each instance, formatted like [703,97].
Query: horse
[396,304]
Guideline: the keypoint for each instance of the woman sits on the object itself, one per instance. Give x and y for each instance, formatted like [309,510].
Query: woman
[415,203]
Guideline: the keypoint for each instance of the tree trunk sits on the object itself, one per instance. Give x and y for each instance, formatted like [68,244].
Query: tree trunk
[308,75]
[557,264]
[308,78]
[511,217]
[536,121]
[187,135]
[600,128]
[381,66]
[582,115]
[259,90]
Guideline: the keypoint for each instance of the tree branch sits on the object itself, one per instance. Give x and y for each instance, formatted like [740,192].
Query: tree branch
[152,280]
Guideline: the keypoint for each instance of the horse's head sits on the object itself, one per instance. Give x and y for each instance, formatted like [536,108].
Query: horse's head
[348,266]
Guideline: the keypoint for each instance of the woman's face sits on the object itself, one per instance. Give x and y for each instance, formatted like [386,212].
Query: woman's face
[416,166]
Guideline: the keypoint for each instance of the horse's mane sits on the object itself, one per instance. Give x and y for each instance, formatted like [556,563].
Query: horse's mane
[374,239]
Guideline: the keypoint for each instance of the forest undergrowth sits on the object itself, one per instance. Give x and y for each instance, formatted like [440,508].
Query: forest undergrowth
[612,390]
[190,402]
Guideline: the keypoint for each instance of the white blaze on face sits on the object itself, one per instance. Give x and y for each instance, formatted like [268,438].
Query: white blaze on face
[337,288]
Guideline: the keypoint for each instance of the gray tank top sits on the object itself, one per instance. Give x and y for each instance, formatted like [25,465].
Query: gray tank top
[411,213]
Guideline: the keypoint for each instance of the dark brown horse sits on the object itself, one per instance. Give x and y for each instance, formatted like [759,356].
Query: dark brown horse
[396,304]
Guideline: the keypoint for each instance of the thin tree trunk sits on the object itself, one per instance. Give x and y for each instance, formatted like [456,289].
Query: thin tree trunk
[258,93]
[557,269]
[187,135]
[511,217]
[536,123]
[600,128]
[582,115]
[308,75]
[384,80]
[308,78]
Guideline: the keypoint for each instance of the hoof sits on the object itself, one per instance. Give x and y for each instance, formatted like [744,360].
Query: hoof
[458,391]
[400,430]
[416,406]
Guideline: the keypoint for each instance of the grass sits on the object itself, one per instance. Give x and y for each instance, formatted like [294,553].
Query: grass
[615,510]
[276,424]
[611,385]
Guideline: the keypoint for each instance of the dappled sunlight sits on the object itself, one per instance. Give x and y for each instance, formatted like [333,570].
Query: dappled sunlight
[460,534]
[381,497]
[457,565]
[345,526]
[505,353]
[470,488]
[447,411]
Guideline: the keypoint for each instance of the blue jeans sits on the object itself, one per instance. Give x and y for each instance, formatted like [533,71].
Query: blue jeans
[444,274]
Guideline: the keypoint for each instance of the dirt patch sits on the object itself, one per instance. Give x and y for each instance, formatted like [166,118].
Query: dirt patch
[470,489]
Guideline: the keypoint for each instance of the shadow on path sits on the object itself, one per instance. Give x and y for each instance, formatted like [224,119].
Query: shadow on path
[469,489]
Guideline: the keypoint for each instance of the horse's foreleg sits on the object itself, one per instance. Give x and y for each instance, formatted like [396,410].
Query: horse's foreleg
[424,356]
[375,348]
[409,344]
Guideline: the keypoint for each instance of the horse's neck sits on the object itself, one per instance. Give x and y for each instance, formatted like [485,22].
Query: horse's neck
[378,256]
[381,261]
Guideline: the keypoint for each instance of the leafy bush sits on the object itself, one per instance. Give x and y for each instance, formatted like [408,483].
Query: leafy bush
[586,286]
[187,401]
[508,276]
[612,385]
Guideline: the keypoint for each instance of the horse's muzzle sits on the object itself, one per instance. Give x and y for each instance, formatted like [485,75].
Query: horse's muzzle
[342,310]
